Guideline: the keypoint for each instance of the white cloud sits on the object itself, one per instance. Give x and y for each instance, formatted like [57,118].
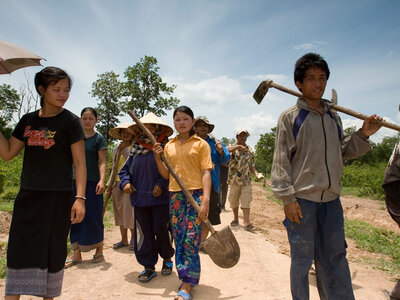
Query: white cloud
[378,136]
[309,46]
[306,46]
[391,53]
[217,90]
[255,124]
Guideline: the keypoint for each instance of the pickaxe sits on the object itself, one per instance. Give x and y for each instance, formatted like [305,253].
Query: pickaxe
[262,89]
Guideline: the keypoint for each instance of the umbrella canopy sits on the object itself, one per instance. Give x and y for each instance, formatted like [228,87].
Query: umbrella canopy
[13,57]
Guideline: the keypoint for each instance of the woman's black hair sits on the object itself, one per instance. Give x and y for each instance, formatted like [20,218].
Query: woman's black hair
[186,110]
[309,60]
[89,109]
[49,76]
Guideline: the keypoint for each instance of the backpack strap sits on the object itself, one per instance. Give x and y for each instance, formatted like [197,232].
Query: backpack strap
[337,124]
[299,121]
[303,113]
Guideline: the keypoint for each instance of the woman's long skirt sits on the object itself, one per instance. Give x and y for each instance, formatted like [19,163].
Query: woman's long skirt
[37,245]
[89,234]
[186,230]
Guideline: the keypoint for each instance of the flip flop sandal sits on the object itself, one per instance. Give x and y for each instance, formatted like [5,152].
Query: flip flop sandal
[70,263]
[98,258]
[249,227]
[131,246]
[147,275]
[234,223]
[119,245]
[183,295]
[167,268]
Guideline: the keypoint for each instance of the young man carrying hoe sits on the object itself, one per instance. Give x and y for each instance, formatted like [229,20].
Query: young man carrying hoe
[307,167]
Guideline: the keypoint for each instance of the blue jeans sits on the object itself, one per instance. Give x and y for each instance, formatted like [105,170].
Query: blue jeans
[319,237]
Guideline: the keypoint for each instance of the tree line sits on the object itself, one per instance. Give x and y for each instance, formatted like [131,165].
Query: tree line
[379,153]
[142,90]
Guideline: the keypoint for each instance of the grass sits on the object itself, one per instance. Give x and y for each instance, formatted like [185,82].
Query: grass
[3,267]
[3,262]
[376,240]
[6,205]
[350,191]
[272,197]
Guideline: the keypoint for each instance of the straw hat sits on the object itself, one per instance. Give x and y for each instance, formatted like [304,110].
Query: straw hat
[151,118]
[205,120]
[116,132]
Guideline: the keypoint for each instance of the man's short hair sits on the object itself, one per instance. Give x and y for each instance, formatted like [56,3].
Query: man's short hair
[309,60]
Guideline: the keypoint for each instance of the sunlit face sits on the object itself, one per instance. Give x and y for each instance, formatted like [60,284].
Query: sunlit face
[183,122]
[88,120]
[313,85]
[242,138]
[125,134]
[56,94]
[202,129]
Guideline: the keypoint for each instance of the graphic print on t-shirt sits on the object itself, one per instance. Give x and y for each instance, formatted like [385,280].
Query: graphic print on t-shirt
[44,137]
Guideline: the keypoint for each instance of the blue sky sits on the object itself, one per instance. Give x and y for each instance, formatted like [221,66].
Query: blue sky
[217,52]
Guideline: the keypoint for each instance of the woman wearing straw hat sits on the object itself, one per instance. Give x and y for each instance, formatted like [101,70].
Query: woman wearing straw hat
[123,210]
[149,196]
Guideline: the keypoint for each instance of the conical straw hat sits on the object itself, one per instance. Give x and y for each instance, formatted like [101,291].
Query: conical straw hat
[116,132]
[151,118]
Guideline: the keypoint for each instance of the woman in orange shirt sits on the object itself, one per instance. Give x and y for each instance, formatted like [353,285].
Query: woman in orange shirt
[190,156]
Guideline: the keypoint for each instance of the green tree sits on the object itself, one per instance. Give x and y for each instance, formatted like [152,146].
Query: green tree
[144,89]
[108,91]
[350,130]
[265,151]
[9,103]
[379,153]
[228,141]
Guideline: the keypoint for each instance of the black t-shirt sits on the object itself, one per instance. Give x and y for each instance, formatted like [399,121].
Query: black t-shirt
[48,159]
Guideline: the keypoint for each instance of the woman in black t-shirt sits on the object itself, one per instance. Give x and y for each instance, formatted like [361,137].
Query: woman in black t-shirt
[52,139]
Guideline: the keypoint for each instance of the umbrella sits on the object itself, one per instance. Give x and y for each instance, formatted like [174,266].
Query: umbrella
[13,57]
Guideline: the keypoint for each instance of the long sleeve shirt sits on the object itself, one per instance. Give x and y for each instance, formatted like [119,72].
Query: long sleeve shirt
[309,153]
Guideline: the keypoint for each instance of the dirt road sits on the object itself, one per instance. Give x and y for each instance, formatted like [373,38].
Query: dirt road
[262,272]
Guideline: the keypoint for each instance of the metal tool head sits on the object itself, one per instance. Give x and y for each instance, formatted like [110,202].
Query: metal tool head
[262,90]
[334,97]
[223,248]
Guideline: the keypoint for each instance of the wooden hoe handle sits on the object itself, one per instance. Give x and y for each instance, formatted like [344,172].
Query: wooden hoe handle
[269,83]
[171,170]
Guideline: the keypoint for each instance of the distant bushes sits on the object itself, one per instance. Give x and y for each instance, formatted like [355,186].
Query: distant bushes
[10,177]
[10,174]
[367,179]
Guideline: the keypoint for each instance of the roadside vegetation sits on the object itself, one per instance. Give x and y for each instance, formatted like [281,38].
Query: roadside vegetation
[380,241]
[376,240]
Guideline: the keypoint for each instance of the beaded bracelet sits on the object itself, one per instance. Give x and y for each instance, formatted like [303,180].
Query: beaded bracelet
[80,197]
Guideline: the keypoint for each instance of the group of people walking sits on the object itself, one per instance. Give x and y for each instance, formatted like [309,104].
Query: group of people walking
[64,173]
[64,178]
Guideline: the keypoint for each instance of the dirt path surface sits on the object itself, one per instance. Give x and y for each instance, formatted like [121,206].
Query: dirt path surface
[262,272]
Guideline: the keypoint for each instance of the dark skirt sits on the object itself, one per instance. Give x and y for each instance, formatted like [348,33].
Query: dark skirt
[214,208]
[37,245]
[89,234]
